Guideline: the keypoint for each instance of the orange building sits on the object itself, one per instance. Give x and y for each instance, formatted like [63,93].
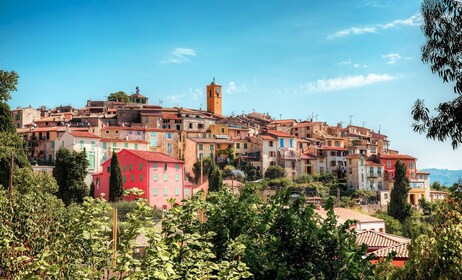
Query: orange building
[214,98]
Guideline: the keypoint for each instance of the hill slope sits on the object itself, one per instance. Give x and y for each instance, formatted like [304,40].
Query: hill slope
[444,176]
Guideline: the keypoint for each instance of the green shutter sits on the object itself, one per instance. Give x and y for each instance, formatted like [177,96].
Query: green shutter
[136,146]
[133,178]
[125,167]
[165,191]
[177,177]
[177,166]
[156,191]
[141,166]
[141,177]
[104,145]
[155,165]
[165,166]
[131,167]
[177,191]
[125,178]
[156,177]
[126,145]
[165,177]
[186,192]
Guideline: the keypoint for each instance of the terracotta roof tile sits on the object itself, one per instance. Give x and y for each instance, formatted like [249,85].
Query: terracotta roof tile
[280,133]
[400,249]
[123,140]
[83,134]
[376,239]
[152,156]
[397,156]
[331,148]
[266,137]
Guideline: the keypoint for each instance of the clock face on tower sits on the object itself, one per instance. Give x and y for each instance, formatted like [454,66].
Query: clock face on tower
[218,90]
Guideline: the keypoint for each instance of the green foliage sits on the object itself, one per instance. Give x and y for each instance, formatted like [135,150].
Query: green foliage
[250,171]
[11,144]
[215,180]
[227,169]
[398,207]
[8,83]
[70,172]
[275,172]
[92,189]
[120,96]
[116,185]
[325,178]
[442,29]
[303,179]
[392,225]
[207,168]
[437,254]
[436,186]
[25,180]
[6,119]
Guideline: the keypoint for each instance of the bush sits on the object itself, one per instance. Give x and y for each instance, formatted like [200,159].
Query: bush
[274,172]
[125,207]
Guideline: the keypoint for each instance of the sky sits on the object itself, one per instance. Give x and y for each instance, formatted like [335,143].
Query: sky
[290,58]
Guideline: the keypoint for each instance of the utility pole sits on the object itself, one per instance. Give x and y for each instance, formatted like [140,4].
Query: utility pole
[114,236]
[11,173]
[202,173]
[338,197]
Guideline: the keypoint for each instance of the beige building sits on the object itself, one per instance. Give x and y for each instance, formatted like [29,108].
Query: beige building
[22,116]
[164,141]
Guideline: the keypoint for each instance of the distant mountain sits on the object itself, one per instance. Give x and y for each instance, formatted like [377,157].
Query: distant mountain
[444,176]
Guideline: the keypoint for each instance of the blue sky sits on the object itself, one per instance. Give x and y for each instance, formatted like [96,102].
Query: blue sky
[291,58]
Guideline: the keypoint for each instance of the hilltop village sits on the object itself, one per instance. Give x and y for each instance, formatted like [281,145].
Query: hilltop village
[158,146]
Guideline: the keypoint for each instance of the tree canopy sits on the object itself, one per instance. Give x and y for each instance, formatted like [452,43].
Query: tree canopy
[8,83]
[70,172]
[119,96]
[275,172]
[443,30]
[398,207]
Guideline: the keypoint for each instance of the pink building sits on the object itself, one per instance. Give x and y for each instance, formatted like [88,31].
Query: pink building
[160,177]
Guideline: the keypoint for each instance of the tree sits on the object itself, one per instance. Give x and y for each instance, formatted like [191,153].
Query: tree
[8,83]
[207,164]
[116,185]
[119,96]
[274,172]
[215,180]
[70,172]
[443,29]
[6,119]
[398,207]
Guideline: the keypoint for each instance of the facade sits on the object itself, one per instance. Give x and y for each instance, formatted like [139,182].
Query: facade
[163,141]
[214,98]
[286,146]
[22,116]
[158,175]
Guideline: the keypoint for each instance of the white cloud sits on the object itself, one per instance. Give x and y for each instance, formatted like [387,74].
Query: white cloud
[345,62]
[392,58]
[349,62]
[235,89]
[180,55]
[340,83]
[414,20]
[353,31]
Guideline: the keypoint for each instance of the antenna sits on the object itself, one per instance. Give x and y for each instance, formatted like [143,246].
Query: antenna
[351,118]
[364,124]
[160,102]
[314,116]
[280,116]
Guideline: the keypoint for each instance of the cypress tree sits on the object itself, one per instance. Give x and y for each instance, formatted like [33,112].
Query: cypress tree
[116,187]
[398,207]
[216,180]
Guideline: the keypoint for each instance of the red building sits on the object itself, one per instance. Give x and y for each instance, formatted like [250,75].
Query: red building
[389,162]
[160,177]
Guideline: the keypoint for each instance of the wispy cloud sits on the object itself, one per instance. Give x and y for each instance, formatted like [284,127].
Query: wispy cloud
[392,58]
[353,31]
[349,62]
[346,82]
[180,55]
[233,88]
[193,94]
[414,20]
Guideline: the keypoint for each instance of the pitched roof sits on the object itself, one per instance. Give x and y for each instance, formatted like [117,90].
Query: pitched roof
[332,148]
[368,162]
[123,140]
[397,156]
[400,249]
[211,140]
[307,156]
[83,134]
[378,239]
[266,137]
[124,128]
[171,117]
[280,133]
[344,214]
[287,121]
[153,156]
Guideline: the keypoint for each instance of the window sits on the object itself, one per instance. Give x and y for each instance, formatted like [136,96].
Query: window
[81,144]
[165,191]
[126,145]
[371,170]
[165,166]
[155,165]
[385,196]
[271,143]
[201,147]
[131,167]
[169,148]
[211,147]
[146,120]
[92,145]
[104,145]
[388,163]
[168,135]
[114,144]
[186,192]
[125,167]
[177,191]
[238,145]
[177,177]
[156,191]
[411,165]
[156,177]
[177,166]
[245,145]
[281,142]
[153,134]
[133,178]
[362,177]
[291,143]
[52,144]
[165,177]
[379,170]
[362,161]
[130,132]
[136,146]
[125,178]
[141,177]
[91,160]
[141,166]
[105,156]
[18,117]
[350,170]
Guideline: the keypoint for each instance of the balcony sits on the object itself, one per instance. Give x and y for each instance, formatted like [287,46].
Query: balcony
[373,175]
